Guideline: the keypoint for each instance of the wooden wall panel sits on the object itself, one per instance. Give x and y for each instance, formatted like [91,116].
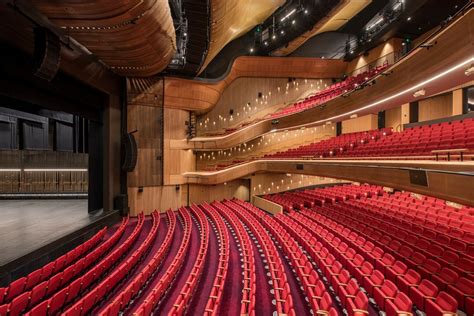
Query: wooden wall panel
[457,102]
[266,205]
[176,161]
[393,118]
[270,183]
[386,51]
[153,198]
[435,107]
[202,95]
[270,143]
[360,124]
[241,96]
[207,193]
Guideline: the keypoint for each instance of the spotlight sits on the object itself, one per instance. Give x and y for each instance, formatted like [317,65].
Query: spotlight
[306,11]
[409,18]
[251,50]
[293,22]
[274,37]
[266,43]
[282,32]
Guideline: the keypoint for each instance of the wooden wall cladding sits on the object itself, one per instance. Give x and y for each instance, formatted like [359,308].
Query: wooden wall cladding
[242,98]
[271,143]
[43,181]
[393,118]
[447,180]
[239,189]
[436,107]
[232,18]
[145,116]
[266,205]
[269,183]
[360,124]
[176,161]
[202,96]
[453,45]
[336,18]
[134,38]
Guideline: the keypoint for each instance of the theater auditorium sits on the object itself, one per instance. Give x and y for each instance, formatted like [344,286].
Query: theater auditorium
[237,157]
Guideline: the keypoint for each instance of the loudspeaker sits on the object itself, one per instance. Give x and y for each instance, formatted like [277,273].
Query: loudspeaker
[121,204]
[129,152]
[47,53]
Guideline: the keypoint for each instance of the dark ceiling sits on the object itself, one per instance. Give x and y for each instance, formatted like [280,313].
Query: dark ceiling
[407,19]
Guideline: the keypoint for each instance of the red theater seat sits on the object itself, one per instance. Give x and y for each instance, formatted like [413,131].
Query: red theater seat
[425,291]
[443,305]
[401,305]
[387,291]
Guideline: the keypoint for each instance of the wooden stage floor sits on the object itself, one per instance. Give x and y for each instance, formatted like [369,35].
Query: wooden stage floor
[26,225]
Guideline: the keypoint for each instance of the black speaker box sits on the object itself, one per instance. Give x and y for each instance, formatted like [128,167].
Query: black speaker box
[129,152]
[47,53]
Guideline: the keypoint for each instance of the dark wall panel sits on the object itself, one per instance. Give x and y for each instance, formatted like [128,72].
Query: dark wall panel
[34,135]
[64,137]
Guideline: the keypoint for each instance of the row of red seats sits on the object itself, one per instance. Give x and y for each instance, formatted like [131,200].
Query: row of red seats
[86,304]
[215,298]
[29,299]
[333,146]
[153,298]
[394,267]
[420,141]
[375,282]
[356,302]
[281,288]
[320,300]
[7,294]
[429,241]
[247,257]
[383,283]
[332,91]
[122,300]
[189,287]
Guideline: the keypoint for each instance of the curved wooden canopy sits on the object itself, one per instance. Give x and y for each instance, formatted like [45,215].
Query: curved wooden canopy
[232,18]
[133,37]
[201,95]
[338,16]
[448,180]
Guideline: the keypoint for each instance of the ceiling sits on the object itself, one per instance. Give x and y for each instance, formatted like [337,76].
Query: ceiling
[202,38]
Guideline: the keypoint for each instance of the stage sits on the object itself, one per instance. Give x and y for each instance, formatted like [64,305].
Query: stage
[34,231]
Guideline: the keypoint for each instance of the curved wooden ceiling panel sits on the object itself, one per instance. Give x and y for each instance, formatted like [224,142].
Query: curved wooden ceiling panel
[232,18]
[338,16]
[134,38]
[201,96]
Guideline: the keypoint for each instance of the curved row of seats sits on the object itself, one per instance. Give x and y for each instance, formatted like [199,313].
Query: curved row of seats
[333,91]
[190,285]
[315,290]
[281,289]
[49,287]
[87,302]
[215,296]
[157,293]
[413,143]
[122,300]
[247,257]
[383,247]
[23,284]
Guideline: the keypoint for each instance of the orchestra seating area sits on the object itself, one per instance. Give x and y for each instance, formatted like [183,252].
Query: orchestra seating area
[347,248]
